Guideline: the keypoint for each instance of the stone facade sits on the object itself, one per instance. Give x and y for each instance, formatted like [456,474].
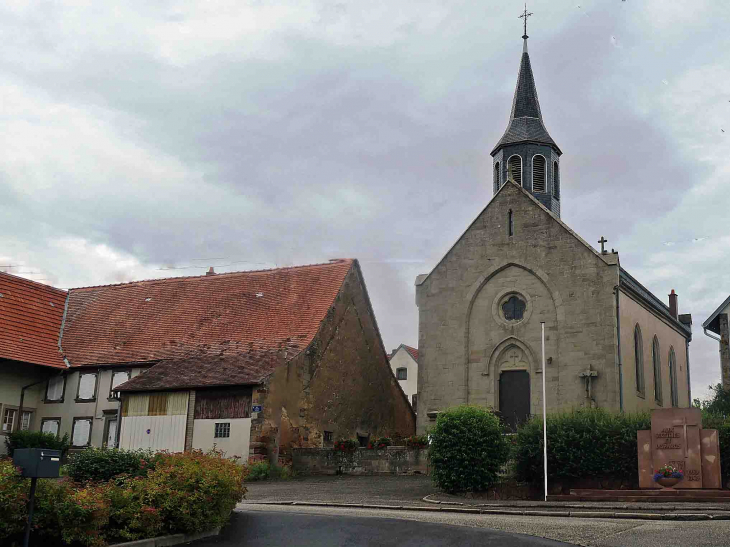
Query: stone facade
[342,385]
[466,343]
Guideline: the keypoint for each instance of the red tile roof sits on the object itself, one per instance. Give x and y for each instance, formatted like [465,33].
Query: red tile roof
[206,370]
[30,321]
[229,314]
[413,352]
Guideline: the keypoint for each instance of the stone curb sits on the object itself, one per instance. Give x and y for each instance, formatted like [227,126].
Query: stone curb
[514,512]
[167,541]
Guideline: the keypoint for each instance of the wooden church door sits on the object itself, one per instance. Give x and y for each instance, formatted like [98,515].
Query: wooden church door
[514,397]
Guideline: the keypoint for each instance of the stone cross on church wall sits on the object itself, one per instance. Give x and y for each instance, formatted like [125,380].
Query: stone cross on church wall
[588,376]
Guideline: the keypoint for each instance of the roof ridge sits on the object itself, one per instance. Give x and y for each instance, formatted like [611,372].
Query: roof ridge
[26,280]
[332,262]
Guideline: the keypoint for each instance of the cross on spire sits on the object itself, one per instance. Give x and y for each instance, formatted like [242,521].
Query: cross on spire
[603,241]
[524,16]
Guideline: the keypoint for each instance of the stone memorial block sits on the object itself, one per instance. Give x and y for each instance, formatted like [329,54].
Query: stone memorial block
[677,438]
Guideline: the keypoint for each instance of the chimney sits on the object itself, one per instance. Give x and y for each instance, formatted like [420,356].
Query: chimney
[673,304]
[211,271]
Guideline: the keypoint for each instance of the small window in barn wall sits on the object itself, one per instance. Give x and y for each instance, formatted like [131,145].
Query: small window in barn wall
[539,176]
[81,432]
[401,373]
[87,387]
[222,430]
[55,388]
[51,425]
[327,437]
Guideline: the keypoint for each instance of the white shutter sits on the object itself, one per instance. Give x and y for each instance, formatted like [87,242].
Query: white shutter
[25,424]
[87,386]
[55,388]
[112,433]
[118,378]
[50,426]
[82,430]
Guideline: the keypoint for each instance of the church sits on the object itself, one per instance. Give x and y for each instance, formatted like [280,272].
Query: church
[609,342]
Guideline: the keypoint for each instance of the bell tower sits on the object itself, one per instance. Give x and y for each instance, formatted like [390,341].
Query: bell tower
[526,147]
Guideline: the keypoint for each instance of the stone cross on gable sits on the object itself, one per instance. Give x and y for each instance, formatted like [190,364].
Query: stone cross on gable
[603,241]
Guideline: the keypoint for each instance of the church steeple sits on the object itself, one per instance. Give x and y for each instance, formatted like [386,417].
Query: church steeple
[526,144]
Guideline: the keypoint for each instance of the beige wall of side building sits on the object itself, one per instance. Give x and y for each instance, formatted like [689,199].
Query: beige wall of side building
[632,314]
[403,359]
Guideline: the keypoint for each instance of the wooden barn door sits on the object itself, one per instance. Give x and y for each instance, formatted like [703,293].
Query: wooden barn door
[514,397]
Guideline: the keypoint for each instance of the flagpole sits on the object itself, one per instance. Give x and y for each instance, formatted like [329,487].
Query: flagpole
[544,413]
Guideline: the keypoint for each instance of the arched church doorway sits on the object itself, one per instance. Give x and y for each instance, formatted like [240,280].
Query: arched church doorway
[514,397]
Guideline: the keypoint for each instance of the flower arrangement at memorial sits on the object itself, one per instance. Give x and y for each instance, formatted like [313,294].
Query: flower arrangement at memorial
[668,472]
[380,443]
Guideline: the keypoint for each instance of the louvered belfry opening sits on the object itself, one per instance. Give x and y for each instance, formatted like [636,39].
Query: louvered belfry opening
[496,177]
[515,163]
[538,174]
[556,180]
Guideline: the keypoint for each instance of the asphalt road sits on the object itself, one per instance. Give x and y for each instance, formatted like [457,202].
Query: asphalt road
[261,528]
[258,525]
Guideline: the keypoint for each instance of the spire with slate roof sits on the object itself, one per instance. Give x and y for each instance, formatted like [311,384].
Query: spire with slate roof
[526,144]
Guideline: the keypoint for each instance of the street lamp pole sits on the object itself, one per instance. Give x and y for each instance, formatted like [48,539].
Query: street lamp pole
[544,413]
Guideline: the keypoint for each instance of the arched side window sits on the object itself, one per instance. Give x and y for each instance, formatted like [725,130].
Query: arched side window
[539,175]
[639,359]
[657,363]
[673,377]
[515,164]
[496,177]
[510,224]
[556,180]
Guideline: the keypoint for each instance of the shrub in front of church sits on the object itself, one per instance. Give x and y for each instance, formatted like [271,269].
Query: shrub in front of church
[590,444]
[103,464]
[467,449]
[36,439]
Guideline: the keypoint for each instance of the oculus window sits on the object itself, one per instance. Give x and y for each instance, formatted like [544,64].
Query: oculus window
[514,308]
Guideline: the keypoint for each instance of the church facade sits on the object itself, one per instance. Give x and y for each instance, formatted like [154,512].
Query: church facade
[609,342]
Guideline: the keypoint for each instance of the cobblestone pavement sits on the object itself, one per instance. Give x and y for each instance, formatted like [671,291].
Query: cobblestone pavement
[410,491]
[385,490]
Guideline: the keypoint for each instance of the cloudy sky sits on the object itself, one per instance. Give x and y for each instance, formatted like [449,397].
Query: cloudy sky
[159,138]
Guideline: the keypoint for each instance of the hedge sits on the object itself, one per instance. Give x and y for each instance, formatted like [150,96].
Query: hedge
[102,464]
[583,444]
[36,439]
[467,449]
[184,493]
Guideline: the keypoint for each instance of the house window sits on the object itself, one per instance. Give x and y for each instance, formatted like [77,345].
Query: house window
[81,432]
[639,359]
[401,373]
[86,391]
[55,388]
[496,177]
[25,422]
[656,361]
[515,165]
[222,430]
[9,419]
[327,436]
[514,308]
[673,378]
[118,378]
[539,177]
[51,425]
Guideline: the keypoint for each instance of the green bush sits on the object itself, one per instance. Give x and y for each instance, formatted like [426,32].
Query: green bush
[185,493]
[102,464]
[467,449]
[417,441]
[591,443]
[36,439]
[718,404]
[194,491]
[262,471]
